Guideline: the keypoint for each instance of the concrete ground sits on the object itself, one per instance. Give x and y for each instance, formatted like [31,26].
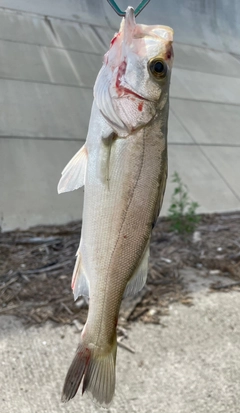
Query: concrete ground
[188,364]
[50,54]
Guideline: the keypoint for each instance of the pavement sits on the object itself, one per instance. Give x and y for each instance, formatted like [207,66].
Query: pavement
[50,54]
[190,363]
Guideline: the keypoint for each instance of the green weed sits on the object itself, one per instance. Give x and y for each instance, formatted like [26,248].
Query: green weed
[182,211]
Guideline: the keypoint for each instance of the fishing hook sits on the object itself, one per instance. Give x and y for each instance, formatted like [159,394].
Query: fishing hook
[121,13]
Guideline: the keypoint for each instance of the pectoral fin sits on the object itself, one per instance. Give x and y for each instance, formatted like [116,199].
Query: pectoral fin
[139,277]
[73,175]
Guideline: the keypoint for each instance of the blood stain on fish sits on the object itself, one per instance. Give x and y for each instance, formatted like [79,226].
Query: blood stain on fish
[114,39]
[121,90]
[169,53]
[140,106]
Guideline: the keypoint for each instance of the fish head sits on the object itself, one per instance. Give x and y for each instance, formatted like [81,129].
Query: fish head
[133,84]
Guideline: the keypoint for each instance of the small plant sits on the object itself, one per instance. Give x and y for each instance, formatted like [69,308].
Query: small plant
[182,211]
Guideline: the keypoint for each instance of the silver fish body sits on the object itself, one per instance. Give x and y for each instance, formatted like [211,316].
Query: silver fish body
[123,166]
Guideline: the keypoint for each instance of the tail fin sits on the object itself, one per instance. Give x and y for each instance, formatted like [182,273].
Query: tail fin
[97,369]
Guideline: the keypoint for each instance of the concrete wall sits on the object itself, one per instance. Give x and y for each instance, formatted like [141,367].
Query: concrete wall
[50,53]
[209,23]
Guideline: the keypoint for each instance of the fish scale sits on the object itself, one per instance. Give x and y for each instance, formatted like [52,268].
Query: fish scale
[123,166]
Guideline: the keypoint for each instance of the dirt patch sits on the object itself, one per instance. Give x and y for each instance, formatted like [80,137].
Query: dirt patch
[36,268]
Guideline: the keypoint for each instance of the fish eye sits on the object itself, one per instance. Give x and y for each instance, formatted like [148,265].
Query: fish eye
[158,68]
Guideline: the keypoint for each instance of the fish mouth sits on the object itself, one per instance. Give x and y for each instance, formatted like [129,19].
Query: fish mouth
[129,91]
[126,89]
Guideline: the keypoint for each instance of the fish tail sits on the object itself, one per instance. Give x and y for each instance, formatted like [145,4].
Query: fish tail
[96,367]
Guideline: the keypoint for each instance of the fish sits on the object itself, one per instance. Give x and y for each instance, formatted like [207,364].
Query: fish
[123,168]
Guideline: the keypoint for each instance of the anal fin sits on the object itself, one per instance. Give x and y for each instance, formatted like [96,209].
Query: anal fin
[139,277]
[80,283]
